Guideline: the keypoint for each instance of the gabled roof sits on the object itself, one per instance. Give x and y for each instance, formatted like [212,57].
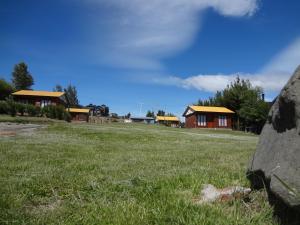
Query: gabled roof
[78,110]
[213,109]
[38,93]
[167,118]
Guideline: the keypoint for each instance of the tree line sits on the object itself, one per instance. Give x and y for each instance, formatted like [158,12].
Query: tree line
[151,113]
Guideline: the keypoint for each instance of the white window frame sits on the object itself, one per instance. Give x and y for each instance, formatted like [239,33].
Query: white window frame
[202,120]
[222,121]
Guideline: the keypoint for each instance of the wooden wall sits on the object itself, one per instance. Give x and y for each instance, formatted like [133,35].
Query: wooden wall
[212,120]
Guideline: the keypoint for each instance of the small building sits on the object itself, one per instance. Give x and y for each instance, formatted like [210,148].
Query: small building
[147,120]
[39,98]
[78,114]
[172,121]
[208,117]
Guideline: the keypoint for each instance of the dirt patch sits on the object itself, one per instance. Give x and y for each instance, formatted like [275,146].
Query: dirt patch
[13,129]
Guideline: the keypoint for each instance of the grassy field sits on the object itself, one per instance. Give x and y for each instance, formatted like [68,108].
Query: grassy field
[125,174]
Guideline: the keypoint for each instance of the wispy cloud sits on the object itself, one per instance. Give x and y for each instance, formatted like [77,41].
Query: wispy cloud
[271,77]
[140,33]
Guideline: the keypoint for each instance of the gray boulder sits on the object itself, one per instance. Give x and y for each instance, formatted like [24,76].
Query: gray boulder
[276,162]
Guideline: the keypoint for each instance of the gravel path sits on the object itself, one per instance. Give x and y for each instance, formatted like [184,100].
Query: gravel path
[13,129]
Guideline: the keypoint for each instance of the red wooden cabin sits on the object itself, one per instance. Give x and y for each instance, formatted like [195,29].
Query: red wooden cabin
[208,117]
[79,114]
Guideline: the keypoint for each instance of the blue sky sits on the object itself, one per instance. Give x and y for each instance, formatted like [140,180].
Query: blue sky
[164,54]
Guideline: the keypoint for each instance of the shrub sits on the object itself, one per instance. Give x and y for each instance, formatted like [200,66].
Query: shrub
[12,108]
[32,110]
[49,111]
[59,112]
[56,112]
[38,110]
[67,116]
[3,107]
[20,108]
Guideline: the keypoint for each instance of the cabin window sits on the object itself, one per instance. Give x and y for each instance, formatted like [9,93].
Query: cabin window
[45,103]
[222,121]
[202,120]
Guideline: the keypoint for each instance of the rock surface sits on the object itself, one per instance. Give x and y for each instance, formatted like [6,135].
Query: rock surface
[276,162]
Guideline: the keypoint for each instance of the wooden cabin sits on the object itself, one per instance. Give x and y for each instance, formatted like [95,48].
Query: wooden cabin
[208,117]
[172,121]
[80,115]
[39,98]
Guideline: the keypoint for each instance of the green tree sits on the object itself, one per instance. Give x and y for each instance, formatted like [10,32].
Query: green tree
[245,100]
[254,111]
[21,78]
[150,114]
[71,96]
[160,113]
[58,88]
[238,94]
[5,89]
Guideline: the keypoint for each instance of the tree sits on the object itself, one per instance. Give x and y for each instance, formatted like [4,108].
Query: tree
[71,96]
[160,113]
[99,110]
[104,110]
[21,78]
[58,88]
[254,112]
[5,89]
[170,114]
[150,114]
[245,100]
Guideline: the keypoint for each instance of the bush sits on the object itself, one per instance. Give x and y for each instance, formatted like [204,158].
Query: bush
[60,112]
[32,110]
[3,107]
[12,107]
[67,116]
[49,111]
[20,108]
[56,112]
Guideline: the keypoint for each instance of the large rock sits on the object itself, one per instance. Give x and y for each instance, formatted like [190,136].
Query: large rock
[276,162]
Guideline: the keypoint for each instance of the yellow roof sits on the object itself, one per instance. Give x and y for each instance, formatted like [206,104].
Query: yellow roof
[210,109]
[167,118]
[39,93]
[78,110]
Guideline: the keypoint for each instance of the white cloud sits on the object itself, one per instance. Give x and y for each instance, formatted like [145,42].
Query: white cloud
[272,77]
[286,61]
[139,33]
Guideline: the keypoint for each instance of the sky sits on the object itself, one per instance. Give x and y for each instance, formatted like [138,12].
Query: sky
[139,55]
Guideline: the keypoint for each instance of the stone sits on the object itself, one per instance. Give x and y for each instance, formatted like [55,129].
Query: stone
[275,165]
[211,194]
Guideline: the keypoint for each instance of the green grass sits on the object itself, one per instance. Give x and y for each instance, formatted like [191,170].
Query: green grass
[28,119]
[124,174]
